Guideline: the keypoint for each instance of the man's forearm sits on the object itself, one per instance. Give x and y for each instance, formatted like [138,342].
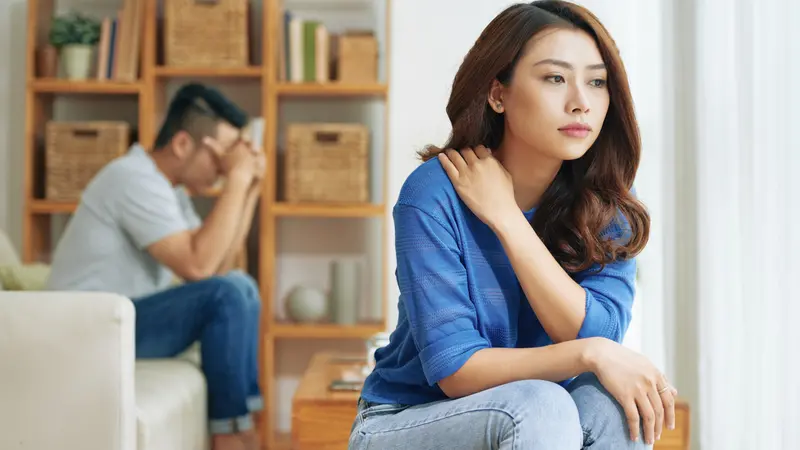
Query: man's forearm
[216,236]
[492,367]
[243,228]
[559,302]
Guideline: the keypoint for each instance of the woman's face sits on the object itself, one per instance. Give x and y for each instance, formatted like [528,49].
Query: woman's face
[557,99]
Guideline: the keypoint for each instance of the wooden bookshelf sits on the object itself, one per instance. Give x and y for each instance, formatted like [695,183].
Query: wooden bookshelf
[321,210]
[51,207]
[331,90]
[56,86]
[149,93]
[255,72]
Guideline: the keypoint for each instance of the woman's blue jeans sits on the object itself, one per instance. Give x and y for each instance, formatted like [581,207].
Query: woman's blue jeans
[223,313]
[522,415]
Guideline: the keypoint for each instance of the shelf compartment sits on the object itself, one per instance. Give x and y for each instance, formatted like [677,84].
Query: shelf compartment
[325,330]
[208,72]
[328,210]
[332,90]
[61,86]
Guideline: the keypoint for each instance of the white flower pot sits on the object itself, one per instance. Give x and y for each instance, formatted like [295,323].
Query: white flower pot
[77,61]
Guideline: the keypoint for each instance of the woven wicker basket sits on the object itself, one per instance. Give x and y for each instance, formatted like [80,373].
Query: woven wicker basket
[358,58]
[327,162]
[206,33]
[76,151]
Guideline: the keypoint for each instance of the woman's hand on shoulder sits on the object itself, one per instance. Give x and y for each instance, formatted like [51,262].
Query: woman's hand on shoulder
[640,388]
[481,182]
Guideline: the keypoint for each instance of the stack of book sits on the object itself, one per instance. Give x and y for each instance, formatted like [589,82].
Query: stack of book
[119,48]
[306,49]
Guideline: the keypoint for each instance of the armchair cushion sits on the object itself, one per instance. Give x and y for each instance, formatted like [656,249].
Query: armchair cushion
[171,402]
[24,277]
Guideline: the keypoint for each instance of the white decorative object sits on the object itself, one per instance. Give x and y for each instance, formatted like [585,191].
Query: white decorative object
[306,304]
[77,60]
[344,291]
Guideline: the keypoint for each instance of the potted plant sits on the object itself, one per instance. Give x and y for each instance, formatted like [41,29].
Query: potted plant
[75,35]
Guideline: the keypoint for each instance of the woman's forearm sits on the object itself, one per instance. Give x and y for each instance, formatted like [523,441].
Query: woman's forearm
[492,367]
[558,301]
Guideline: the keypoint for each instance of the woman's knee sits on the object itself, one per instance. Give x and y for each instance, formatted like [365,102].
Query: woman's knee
[591,397]
[601,415]
[543,411]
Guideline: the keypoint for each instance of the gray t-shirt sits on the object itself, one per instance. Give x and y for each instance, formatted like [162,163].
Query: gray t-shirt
[128,206]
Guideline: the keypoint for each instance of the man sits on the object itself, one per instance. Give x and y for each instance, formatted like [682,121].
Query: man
[135,229]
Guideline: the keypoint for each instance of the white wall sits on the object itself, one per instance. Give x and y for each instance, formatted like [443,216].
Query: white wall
[5,84]
[12,105]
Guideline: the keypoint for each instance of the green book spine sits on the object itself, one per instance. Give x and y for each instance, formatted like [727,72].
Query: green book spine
[309,51]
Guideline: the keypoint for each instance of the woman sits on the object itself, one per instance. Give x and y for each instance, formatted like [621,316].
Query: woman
[515,257]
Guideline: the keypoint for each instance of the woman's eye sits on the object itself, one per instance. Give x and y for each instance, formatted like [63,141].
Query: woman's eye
[555,79]
[598,82]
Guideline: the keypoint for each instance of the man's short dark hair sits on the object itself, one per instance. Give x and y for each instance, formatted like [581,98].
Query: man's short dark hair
[197,110]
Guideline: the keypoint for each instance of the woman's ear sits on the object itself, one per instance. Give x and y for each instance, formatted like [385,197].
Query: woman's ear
[496,97]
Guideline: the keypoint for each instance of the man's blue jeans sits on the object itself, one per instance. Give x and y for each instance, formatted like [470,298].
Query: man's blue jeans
[223,313]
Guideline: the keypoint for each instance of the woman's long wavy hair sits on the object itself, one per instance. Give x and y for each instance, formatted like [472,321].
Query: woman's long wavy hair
[588,195]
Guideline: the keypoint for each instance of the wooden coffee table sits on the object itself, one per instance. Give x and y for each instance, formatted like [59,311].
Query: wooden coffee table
[321,418]
[677,439]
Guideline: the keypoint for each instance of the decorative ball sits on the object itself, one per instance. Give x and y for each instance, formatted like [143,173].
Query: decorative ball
[306,304]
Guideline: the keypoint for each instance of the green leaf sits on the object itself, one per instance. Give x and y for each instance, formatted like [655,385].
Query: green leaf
[74,28]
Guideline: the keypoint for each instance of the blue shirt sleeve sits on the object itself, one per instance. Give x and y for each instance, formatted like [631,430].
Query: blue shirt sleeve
[609,299]
[434,293]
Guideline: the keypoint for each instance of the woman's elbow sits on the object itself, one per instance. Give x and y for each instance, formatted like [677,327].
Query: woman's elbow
[613,330]
[452,387]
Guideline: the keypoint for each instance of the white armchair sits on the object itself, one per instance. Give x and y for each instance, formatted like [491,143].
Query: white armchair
[69,379]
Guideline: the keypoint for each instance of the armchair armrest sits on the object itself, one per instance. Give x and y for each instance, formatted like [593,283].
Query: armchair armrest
[67,376]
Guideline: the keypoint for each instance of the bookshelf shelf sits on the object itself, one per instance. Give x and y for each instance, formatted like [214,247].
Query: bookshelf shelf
[322,210]
[332,89]
[51,207]
[208,72]
[59,86]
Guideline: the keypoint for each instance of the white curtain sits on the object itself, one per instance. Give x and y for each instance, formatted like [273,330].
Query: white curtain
[747,106]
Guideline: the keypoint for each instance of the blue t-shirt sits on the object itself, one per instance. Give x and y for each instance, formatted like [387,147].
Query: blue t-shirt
[459,294]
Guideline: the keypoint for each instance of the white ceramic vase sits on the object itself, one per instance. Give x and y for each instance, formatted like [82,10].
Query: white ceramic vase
[344,291]
[77,61]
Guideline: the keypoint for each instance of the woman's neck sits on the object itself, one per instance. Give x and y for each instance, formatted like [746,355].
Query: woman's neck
[531,173]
